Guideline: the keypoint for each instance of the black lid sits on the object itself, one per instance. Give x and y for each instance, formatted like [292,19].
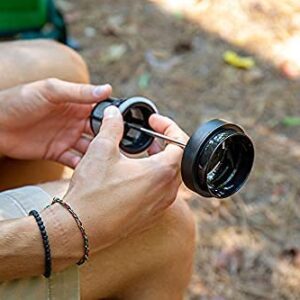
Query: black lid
[217,159]
[135,110]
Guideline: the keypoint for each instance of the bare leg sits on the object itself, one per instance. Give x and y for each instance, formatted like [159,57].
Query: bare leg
[27,61]
[155,264]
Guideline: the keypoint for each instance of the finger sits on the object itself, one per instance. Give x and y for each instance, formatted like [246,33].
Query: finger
[156,147]
[58,91]
[111,132]
[169,128]
[70,158]
[82,144]
[87,128]
[166,126]
[112,126]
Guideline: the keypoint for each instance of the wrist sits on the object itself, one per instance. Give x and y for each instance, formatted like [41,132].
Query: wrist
[64,237]
[101,231]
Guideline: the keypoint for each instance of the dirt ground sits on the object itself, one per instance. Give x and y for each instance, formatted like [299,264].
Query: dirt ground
[172,52]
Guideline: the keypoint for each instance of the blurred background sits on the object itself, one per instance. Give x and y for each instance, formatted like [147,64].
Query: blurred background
[200,59]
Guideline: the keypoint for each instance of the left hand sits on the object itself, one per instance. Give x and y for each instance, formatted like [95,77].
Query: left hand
[48,119]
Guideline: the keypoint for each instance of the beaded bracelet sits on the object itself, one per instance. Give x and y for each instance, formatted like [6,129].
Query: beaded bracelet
[40,223]
[86,248]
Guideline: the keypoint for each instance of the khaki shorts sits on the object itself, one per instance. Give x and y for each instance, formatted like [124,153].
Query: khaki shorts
[64,285]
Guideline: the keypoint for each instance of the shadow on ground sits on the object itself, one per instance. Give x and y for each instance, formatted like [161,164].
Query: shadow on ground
[249,245]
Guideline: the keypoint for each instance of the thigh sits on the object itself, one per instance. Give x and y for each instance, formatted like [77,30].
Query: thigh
[27,61]
[17,173]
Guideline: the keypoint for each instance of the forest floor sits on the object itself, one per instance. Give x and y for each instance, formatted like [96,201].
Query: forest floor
[172,52]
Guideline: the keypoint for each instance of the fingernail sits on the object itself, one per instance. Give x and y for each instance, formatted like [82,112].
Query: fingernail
[100,90]
[111,112]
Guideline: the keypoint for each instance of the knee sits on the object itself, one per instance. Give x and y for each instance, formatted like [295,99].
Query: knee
[160,258]
[78,67]
[179,229]
[62,56]
[170,246]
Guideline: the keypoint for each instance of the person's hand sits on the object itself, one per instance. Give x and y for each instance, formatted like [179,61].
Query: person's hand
[47,120]
[115,195]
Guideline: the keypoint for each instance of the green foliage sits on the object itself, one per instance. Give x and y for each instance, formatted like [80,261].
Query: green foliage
[291,121]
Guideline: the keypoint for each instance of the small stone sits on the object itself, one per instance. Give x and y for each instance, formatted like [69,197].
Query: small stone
[230,259]
[115,53]
[253,76]
[90,32]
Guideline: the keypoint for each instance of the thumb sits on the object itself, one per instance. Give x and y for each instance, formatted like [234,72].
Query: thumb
[58,91]
[111,130]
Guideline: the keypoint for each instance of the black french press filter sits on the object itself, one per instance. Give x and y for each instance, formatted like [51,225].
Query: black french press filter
[217,158]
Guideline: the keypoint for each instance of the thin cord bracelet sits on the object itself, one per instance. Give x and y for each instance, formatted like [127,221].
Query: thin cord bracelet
[86,248]
[48,260]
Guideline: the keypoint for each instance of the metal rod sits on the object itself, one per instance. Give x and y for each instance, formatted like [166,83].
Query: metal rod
[151,133]
[156,134]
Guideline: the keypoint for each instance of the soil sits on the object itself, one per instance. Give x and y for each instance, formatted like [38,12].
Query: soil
[172,52]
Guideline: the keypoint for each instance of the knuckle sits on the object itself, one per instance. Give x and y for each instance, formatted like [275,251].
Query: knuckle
[106,143]
[111,123]
[111,127]
[94,145]
[50,84]
[103,144]
[160,168]
[176,132]
[27,91]
[168,171]
[83,91]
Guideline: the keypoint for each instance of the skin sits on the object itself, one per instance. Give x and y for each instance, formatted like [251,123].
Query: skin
[124,208]
[16,58]
[48,119]
[153,264]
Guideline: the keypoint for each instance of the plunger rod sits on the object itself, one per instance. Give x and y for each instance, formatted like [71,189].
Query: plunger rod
[156,134]
[151,133]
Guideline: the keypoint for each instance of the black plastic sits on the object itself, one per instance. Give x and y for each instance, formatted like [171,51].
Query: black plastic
[135,110]
[217,159]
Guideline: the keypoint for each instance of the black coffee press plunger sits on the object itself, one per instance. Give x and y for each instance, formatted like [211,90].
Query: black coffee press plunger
[216,161]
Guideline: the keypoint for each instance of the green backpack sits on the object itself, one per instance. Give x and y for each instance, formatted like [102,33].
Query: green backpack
[29,19]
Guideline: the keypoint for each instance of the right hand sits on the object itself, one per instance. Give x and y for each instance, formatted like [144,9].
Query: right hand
[115,196]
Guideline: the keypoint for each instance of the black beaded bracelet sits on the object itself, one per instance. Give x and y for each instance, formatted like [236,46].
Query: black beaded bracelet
[40,223]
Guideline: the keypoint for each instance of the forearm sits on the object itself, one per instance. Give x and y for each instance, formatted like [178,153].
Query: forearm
[21,246]
[6,114]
